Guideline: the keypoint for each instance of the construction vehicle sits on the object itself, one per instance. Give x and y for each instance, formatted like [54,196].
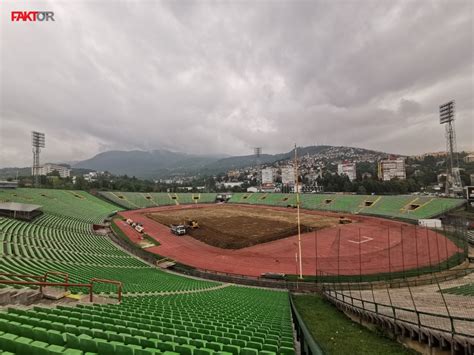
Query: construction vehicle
[191,223]
[344,220]
[129,221]
[273,275]
[430,223]
[139,228]
[178,229]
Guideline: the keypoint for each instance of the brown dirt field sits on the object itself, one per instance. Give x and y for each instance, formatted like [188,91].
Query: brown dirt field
[236,227]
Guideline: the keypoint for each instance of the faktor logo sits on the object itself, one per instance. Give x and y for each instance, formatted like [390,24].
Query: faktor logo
[32,16]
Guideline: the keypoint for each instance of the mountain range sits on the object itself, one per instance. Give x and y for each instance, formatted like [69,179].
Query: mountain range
[163,163]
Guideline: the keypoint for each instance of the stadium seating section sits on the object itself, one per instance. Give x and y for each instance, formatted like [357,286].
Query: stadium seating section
[403,206]
[77,205]
[234,320]
[160,313]
[135,200]
[463,290]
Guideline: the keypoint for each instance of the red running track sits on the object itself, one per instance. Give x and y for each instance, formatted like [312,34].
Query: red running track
[368,246]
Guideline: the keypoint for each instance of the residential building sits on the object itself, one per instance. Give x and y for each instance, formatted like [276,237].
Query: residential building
[392,168]
[48,168]
[347,168]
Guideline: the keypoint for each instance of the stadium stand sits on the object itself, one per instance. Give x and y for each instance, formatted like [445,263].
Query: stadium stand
[136,200]
[464,290]
[141,200]
[233,320]
[314,202]
[77,205]
[185,198]
[33,248]
[273,199]
[403,206]
[406,207]
[117,198]
[206,197]
[160,312]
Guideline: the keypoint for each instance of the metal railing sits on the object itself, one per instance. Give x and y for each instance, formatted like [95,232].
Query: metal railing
[446,323]
[308,346]
[43,282]
[57,273]
[419,280]
[113,282]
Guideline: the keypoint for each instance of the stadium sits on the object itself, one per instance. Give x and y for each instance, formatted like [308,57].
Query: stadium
[76,277]
[237,177]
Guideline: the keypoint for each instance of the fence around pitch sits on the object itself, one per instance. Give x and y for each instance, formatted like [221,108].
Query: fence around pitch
[328,269]
[387,253]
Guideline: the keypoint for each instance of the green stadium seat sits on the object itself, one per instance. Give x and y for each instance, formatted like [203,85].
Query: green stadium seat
[230,320]
[22,345]
[147,351]
[204,351]
[55,349]
[248,351]
[39,347]
[270,348]
[55,337]
[185,349]
[287,350]
[7,342]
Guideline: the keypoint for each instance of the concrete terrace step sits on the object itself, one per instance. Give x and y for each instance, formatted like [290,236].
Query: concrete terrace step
[24,296]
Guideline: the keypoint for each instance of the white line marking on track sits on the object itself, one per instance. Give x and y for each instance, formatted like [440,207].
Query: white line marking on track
[363,239]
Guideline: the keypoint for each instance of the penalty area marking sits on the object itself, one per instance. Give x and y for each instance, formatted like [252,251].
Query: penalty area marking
[363,239]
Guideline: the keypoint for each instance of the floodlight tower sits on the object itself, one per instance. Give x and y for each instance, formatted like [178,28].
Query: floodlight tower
[446,117]
[258,152]
[38,142]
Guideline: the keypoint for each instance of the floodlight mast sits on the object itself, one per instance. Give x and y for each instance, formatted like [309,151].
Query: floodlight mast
[446,116]
[37,142]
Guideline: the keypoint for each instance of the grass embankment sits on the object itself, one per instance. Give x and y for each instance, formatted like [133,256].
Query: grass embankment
[337,334]
[150,239]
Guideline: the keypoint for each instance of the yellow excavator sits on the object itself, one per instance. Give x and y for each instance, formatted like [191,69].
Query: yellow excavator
[191,223]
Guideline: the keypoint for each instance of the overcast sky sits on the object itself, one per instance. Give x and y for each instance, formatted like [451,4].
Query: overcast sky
[223,77]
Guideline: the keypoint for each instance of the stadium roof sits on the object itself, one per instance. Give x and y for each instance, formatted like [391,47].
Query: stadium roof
[21,207]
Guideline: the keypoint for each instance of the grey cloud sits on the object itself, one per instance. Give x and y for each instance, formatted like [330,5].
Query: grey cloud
[222,77]
[409,107]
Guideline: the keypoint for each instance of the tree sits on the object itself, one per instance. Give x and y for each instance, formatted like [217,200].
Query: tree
[81,183]
[54,173]
[347,186]
[361,190]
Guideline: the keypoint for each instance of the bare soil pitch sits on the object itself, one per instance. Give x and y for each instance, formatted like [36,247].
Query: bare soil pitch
[236,227]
